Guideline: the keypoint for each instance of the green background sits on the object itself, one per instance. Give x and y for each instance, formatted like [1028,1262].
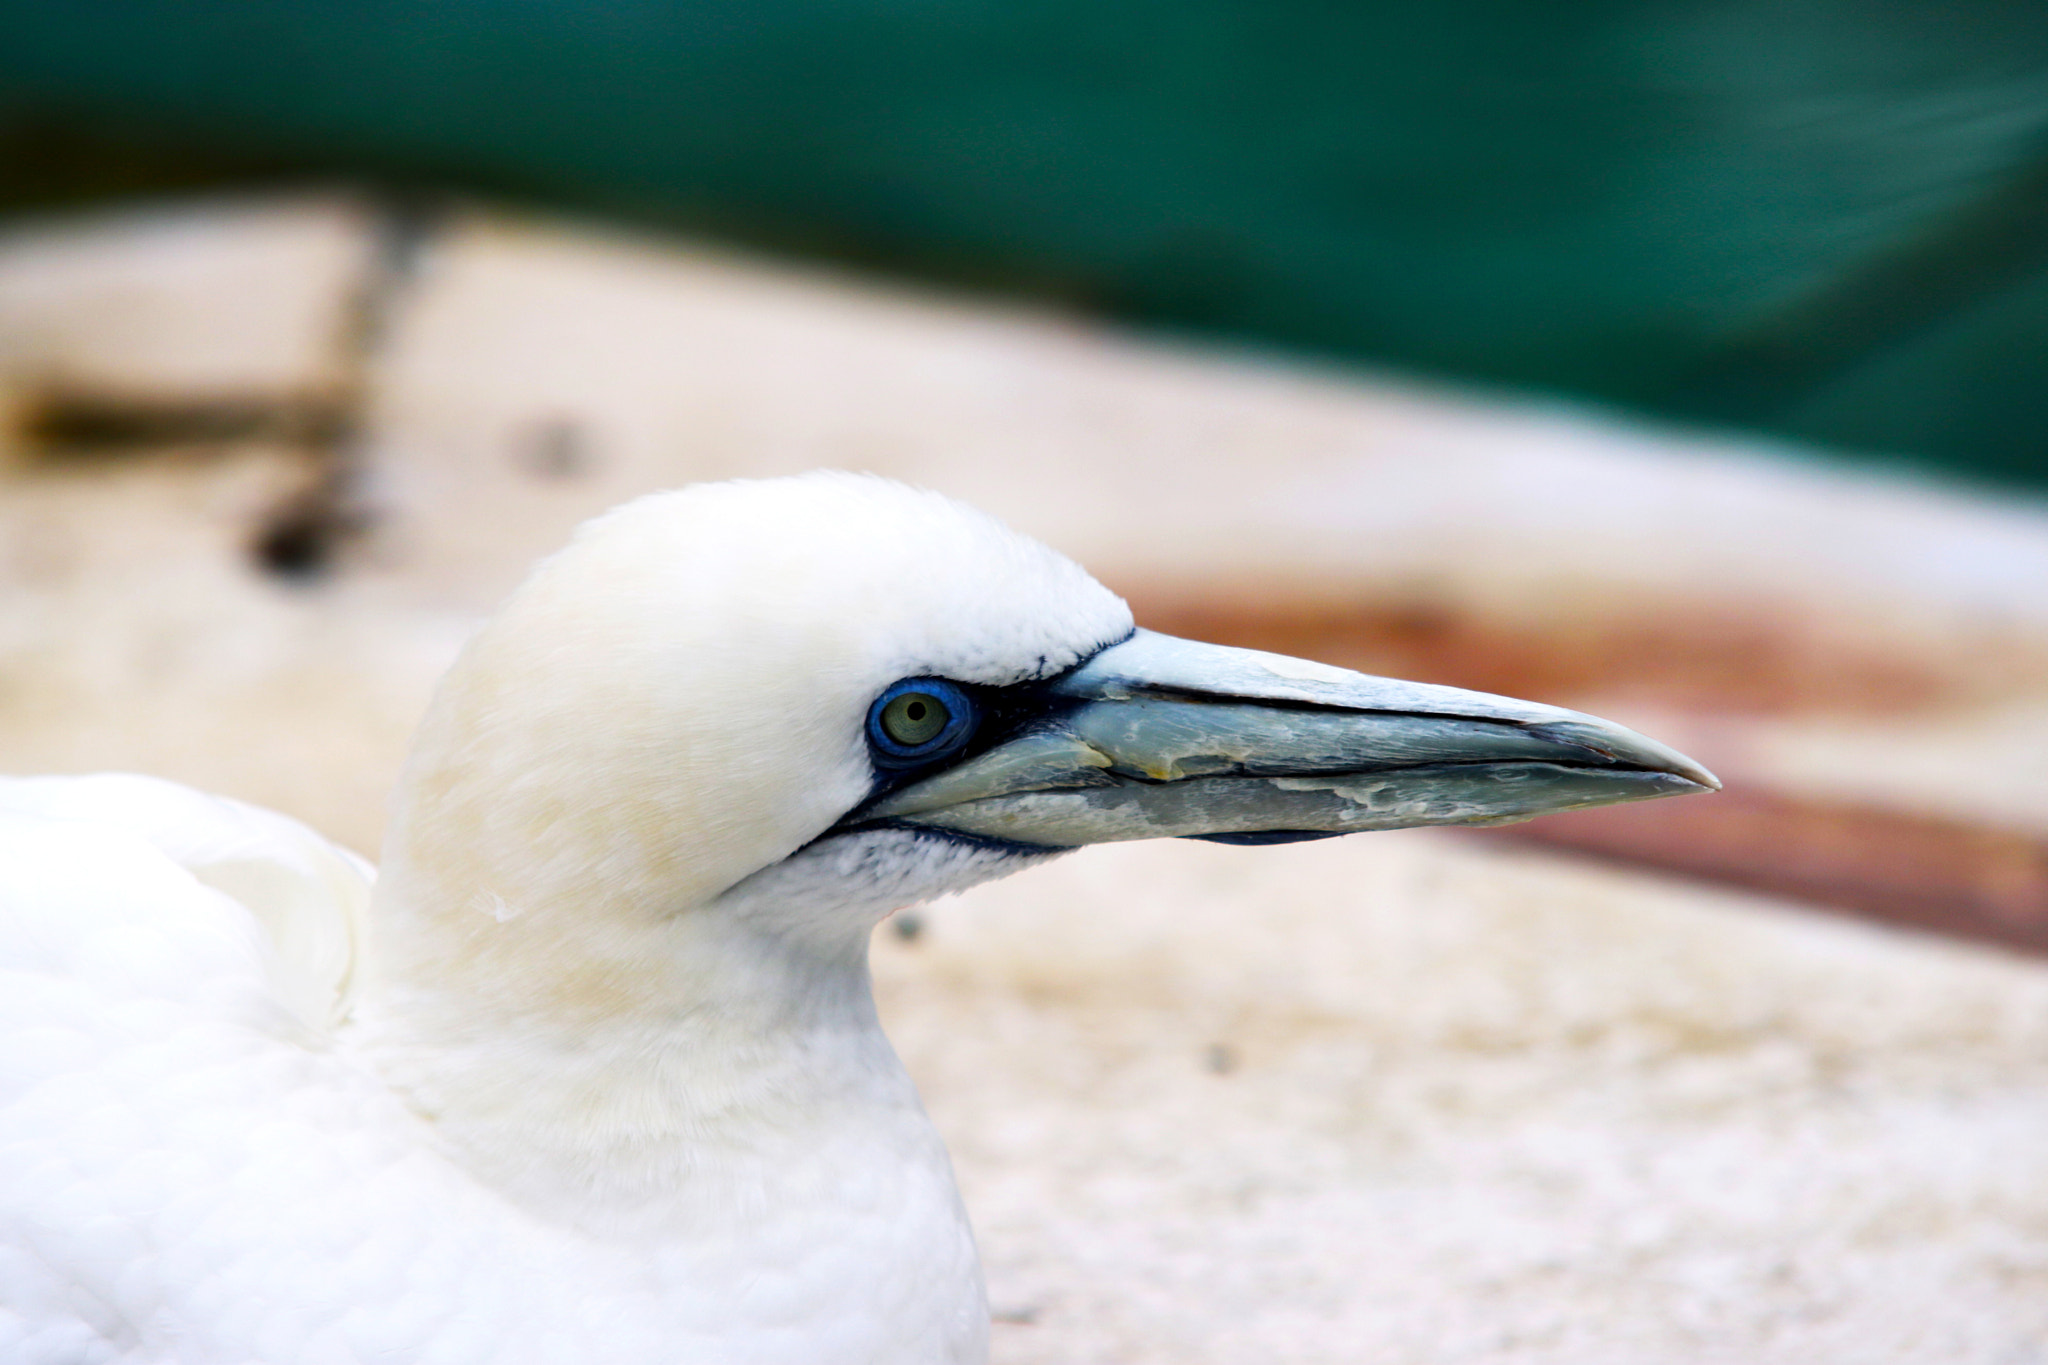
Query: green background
[1827,220]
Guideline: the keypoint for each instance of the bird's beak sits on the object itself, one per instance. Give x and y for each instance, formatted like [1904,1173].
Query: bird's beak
[1160,737]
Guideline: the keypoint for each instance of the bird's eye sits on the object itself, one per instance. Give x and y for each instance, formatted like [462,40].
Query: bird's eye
[915,719]
[919,719]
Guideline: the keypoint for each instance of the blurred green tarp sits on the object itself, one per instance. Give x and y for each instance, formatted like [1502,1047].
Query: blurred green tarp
[1823,218]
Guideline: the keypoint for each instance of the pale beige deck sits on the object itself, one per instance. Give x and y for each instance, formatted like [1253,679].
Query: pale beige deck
[1475,1107]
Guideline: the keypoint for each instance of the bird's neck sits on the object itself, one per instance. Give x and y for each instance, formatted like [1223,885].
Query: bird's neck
[751,1128]
[642,1076]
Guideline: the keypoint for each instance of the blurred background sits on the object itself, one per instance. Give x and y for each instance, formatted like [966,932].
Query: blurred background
[1686,362]
[1822,219]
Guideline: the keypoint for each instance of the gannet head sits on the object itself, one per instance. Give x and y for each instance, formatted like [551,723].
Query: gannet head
[672,786]
[681,697]
[805,702]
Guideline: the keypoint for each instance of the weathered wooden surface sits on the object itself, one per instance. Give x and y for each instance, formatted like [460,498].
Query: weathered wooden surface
[1408,1097]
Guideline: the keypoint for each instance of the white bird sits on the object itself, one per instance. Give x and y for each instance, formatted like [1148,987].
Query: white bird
[595,1073]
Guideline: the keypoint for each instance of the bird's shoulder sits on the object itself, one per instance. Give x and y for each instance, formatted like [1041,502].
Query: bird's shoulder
[175,1125]
[136,884]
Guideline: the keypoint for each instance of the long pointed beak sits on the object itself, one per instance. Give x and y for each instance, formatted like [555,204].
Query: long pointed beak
[1161,737]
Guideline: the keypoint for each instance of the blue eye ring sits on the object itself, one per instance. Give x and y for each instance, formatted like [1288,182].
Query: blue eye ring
[916,720]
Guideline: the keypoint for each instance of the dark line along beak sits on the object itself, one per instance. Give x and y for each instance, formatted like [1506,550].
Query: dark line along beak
[1161,737]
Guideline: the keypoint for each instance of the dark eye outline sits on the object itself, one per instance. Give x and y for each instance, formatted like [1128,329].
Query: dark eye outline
[962,717]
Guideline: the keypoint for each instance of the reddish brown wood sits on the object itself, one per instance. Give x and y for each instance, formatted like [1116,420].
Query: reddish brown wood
[1927,872]
[1721,657]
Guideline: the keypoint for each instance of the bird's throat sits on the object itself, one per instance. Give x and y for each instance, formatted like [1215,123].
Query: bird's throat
[622,1088]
